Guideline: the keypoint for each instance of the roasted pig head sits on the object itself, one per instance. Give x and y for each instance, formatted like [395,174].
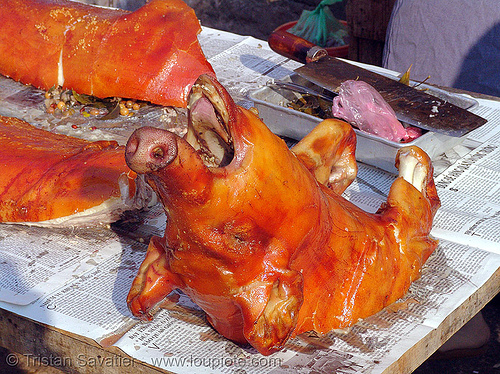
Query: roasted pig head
[260,237]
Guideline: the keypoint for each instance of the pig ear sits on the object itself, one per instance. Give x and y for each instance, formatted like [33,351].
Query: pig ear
[270,310]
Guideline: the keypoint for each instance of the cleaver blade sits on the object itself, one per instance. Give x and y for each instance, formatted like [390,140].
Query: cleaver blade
[411,106]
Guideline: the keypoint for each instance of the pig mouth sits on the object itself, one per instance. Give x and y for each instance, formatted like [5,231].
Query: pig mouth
[208,124]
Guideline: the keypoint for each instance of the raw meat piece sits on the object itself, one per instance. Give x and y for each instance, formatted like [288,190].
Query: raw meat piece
[361,105]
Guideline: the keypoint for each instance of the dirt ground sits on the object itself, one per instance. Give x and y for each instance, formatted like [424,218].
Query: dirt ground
[486,363]
[257,18]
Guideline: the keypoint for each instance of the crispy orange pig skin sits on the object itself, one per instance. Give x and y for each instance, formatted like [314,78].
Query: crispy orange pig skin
[48,176]
[265,244]
[150,54]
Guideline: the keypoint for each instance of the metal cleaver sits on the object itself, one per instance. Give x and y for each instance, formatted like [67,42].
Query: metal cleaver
[412,106]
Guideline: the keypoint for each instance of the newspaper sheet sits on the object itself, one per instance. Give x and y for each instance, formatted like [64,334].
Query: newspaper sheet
[36,261]
[470,195]
[77,279]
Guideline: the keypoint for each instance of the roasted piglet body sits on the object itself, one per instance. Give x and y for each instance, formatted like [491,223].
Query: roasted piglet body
[260,237]
[50,179]
[151,54]
[362,105]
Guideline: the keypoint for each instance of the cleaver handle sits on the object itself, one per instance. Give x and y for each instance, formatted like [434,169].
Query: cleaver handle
[294,47]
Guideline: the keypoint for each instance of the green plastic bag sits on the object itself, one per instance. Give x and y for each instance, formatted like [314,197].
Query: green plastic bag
[320,26]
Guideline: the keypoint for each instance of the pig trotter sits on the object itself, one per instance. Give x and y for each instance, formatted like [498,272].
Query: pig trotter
[328,153]
[271,311]
[153,282]
[416,168]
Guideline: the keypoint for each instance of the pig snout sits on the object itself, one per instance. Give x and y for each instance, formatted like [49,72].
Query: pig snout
[150,149]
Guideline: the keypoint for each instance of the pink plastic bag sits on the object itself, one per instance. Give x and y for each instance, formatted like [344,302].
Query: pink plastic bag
[361,105]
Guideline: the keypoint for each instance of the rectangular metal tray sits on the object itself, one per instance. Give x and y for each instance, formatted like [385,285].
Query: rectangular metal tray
[371,149]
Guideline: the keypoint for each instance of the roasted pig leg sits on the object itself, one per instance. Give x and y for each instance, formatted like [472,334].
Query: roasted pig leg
[151,54]
[260,237]
[50,179]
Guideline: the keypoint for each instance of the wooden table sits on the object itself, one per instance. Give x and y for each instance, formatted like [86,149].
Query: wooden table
[39,343]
